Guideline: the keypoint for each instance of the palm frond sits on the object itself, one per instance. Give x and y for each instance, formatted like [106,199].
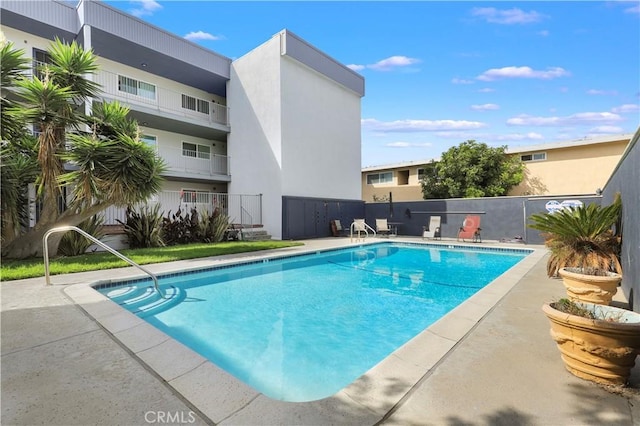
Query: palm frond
[581,237]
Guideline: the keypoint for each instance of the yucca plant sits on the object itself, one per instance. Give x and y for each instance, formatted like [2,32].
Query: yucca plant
[75,244]
[582,237]
[143,229]
[213,226]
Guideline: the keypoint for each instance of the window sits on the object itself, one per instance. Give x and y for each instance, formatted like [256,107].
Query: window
[196,151]
[40,58]
[374,178]
[421,173]
[149,140]
[195,104]
[195,196]
[537,156]
[135,87]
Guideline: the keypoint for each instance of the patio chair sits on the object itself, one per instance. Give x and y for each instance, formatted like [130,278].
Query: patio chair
[433,231]
[382,227]
[470,229]
[337,230]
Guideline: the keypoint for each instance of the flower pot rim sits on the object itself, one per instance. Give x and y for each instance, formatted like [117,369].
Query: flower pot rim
[554,313]
[577,270]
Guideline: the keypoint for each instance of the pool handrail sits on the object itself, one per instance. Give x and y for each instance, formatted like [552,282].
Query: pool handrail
[362,226]
[45,252]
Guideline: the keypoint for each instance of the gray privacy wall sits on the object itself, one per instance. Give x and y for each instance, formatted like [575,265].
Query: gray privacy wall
[500,217]
[305,217]
[626,180]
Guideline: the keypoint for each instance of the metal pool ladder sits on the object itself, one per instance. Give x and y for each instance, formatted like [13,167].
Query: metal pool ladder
[45,252]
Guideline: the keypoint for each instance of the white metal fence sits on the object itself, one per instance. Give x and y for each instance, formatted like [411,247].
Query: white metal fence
[244,210]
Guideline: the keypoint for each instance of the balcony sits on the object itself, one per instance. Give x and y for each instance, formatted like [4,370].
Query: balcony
[185,163]
[148,97]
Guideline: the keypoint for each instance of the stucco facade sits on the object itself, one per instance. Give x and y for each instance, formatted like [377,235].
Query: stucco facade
[572,167]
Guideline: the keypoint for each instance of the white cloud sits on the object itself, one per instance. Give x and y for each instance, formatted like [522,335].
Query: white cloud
[146,7]
[602,92]
[626,108]
[486,90]
[564,90]
[356,67]
[543,33]
[583,118]
[457,80]
[633,9]
[607,129]
[522,72]
[388,64]
[485,107]
[408,144]
[393,62]
[419,125]
[201,35]
[506,16]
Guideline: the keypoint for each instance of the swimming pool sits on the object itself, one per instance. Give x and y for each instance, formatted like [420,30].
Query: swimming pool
[304,327]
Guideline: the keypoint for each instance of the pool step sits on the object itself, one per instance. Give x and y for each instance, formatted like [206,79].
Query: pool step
[144,301]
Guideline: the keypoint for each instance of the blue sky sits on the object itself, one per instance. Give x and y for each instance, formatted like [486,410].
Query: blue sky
[440,73]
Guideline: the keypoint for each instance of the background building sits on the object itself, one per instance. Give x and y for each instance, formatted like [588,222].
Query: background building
[560,168]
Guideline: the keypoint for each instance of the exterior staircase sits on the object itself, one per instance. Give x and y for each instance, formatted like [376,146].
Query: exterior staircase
[254,234]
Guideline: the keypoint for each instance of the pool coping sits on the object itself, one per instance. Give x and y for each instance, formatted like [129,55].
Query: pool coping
[224,399]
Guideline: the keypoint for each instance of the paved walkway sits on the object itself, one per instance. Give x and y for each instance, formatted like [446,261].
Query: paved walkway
[61,367]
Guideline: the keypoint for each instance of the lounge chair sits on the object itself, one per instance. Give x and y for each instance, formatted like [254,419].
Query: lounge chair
[433,231]
[382,227]
[470,229]
[337,230]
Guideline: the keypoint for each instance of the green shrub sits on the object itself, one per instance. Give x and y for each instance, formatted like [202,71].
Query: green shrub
[75,244]
[212,227]
[143,229]
[179,229]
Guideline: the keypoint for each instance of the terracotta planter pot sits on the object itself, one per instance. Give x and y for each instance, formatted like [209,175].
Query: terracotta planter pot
[599,350]
[590,288]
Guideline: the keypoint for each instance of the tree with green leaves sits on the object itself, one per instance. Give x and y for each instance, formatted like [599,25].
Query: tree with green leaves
[472,169]
[110,165]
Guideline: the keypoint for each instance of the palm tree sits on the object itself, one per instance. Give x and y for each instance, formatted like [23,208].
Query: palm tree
[112,166]
[582,237]
[18,159]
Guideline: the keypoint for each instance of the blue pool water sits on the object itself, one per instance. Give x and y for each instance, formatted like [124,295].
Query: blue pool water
[304,327]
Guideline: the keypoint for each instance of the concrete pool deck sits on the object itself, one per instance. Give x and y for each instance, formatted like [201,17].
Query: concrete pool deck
[71,357]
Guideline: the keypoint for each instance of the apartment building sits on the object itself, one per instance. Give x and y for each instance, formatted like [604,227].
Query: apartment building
[243,134]
[561,168]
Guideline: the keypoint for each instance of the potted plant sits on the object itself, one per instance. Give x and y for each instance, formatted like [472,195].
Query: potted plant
[598,343]
[584,249]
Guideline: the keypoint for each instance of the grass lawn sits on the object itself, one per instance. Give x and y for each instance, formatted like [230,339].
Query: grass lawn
[34,267]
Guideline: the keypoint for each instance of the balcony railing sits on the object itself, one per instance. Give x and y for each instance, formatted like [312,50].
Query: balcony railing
[191,162]
[245,210]
[160,99]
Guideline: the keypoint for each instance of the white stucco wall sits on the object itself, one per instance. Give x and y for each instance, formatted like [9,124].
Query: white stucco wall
[25,41]
[320,135]
[294,132]
[254,144]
